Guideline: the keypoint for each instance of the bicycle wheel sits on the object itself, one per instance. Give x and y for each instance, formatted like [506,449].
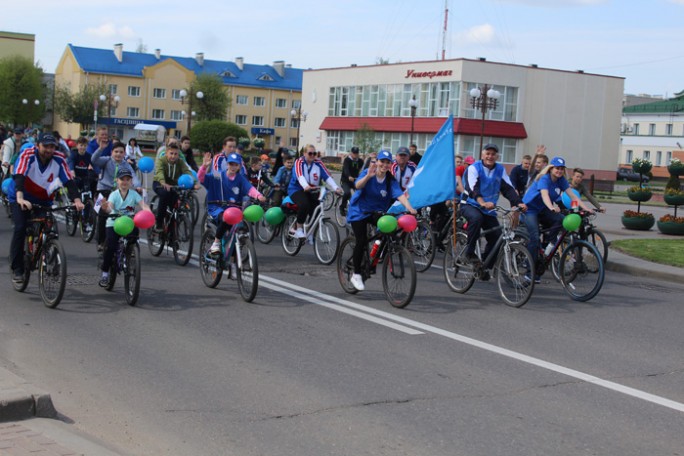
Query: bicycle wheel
[345,266]
[88,221]
[555,261]
[154,204]
[132,273]
[596,237]
[182,241]
[194,208]
[421,244]
[265,232]
[209,265]
[581,271]
[328,201]
[71,221]
[340,219]
[458,273]
[291,245]
[155,241]
[52,273]
[248,271]
[514,270]
[326,241]
[113,271]
[398,276]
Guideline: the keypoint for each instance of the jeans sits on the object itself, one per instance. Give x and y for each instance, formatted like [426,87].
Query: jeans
[547,219]
[478,220]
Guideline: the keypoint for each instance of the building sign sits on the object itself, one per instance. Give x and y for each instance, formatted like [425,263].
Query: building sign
[134,122]
[427,74]
[263,131]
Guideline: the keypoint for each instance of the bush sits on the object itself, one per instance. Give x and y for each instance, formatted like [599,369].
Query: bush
[208,135]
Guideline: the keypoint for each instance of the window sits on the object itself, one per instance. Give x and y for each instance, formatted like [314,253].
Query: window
[647,155]
[668,158]
[659,158]
[133,91]
[296,104]
[636,131]
[133,112]
[113,88]
[258,121]
[279,122]
[159,93]
[281,103]
[175,94]
[629,156]
[241,99]
[259,101]
[277,139]
[651,129]
[240,119]
[294,122]
[176,115]
[265,77]
[293,142]
[668,129]
[157,113]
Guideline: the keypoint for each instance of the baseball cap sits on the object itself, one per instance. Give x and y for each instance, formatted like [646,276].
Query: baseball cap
[18,131]
[47,139]
[491,146]
[469,160]
[384,155]
[354,150]
[403,151]
[234,158]
[557,161]
[123,172]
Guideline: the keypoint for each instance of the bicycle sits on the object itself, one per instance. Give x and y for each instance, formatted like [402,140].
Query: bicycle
[324,234]
[177,231]
[191,204]
[43,252]
[398,267]
[126,262]
[509,260]
[236,248]
[589,232]
[87,218]
[421,243]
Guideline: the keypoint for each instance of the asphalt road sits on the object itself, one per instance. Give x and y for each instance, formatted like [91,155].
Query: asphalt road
[309,370]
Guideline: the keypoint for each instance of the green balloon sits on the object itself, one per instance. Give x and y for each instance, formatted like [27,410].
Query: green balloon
[253,213]
[387,224]
[123,226]
[572,222]
[275,216]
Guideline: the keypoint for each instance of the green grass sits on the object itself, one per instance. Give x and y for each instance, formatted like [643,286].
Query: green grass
[663,251]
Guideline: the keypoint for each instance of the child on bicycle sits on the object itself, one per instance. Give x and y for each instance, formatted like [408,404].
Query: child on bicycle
[282,180]
[224,189]
[121,201]
[81,167]
[257,176]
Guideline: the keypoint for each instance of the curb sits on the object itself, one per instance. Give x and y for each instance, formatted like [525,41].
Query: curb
[20,400]
[644,272]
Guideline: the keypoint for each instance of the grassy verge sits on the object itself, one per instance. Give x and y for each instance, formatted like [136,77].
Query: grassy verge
[663,251]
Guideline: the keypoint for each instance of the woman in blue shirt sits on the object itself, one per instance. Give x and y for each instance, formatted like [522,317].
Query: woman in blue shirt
[376,190]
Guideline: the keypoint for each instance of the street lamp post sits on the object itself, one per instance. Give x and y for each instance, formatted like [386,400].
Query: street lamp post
[184,94]
[301,117]
[484,100]
[414,105]
[25,102]
[109,99]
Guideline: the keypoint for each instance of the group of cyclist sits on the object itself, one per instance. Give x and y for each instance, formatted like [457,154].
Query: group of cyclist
[368,188]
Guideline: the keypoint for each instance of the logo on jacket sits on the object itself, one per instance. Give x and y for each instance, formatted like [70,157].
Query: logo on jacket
[236,190]
[51,178]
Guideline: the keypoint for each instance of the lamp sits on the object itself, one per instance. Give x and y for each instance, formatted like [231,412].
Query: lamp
[301,117]
[414,105]
[184,95]
[484,99]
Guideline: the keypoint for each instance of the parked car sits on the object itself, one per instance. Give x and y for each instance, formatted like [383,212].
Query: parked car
[628,174]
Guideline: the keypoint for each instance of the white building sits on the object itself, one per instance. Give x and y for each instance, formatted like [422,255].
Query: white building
[575,114]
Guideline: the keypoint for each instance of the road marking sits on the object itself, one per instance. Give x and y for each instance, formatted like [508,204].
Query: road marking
[385,319]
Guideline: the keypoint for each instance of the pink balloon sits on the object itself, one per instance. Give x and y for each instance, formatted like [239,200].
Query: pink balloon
[232,215]
[144,219]
[407,223]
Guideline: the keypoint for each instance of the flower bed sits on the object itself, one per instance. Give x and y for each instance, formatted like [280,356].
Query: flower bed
[640,221]
[669,224]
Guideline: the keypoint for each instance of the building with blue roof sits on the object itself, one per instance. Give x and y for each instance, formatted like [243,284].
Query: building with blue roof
[147,88]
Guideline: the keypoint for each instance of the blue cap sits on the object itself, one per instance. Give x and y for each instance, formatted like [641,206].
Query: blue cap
[491,146]
[234,158]
[47,139]
[557,161]
[403,151]
[384,155]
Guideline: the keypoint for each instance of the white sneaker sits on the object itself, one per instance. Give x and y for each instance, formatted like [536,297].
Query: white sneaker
[215,248]
[310,239]
[357,282]
[299,233]
[233,271]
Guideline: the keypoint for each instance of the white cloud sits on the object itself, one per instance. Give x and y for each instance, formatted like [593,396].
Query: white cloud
[110,30]
[561,3]
[479,34]
[677,2]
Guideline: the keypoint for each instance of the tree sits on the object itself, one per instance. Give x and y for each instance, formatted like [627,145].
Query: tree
[21,80]
[215,102]
[208,135]
[365,140]
[79,107]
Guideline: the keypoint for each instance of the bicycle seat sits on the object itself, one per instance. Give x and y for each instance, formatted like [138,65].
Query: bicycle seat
[288,205]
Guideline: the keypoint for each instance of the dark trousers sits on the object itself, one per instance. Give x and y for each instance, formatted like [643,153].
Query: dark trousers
[111,246]
[547,219]
[102,220]
[360,229]
[306,203]
[167,198]
[20,219]
[347,187]
[477,221]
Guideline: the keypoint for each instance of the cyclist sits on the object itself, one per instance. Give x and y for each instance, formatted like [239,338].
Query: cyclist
[219,164]
[540,198]
[224,189]
[485,180]
[376,190]
[10,149]
[133,152]
[39,173]
[309,173]
[576,183]
[282,179]
[351,167]
[109,166]
[121,201]
[257,176]
[402,168]
[168,168]
[81,167]
[187,154]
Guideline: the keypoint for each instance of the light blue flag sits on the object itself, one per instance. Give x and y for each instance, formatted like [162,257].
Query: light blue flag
[435,178]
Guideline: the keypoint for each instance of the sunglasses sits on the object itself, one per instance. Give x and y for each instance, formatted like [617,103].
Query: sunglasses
[311,153]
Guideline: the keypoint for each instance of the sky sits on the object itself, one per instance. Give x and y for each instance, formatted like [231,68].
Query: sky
[639,40]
